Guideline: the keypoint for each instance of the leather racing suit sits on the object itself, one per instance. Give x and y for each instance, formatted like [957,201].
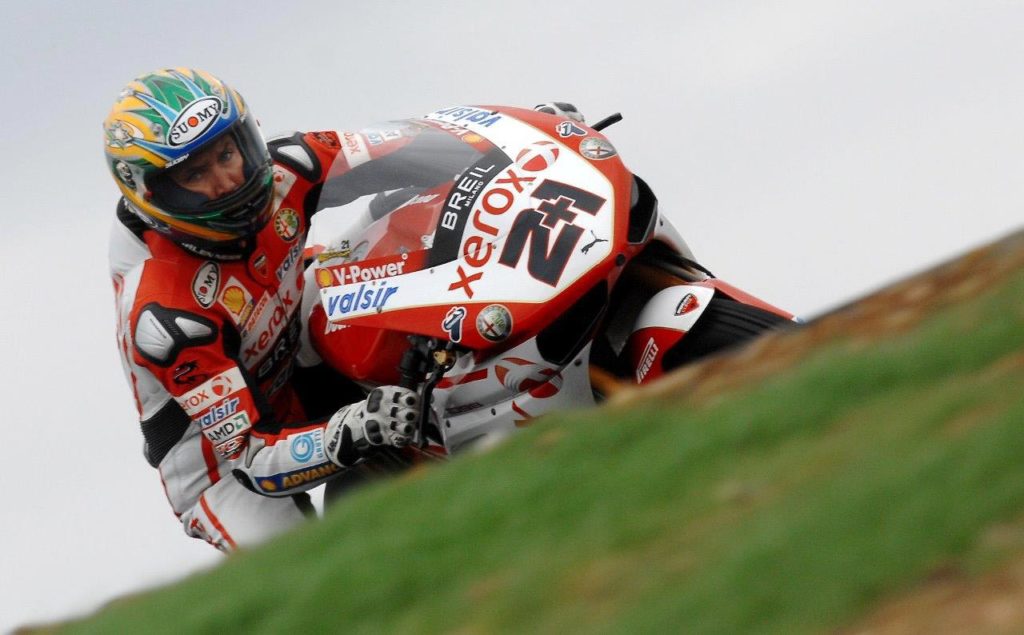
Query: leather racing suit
[209,346]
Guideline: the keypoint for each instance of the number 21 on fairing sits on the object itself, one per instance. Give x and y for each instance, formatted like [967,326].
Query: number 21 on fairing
[561,202]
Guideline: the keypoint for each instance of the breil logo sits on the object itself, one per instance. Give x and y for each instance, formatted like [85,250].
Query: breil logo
[646,360]
[464,193]
[194,121]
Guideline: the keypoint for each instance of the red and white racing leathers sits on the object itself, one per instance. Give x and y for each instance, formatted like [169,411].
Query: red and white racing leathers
[208,347]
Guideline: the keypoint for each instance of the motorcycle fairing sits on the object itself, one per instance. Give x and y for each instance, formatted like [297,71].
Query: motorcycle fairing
[663,322]
[670,314]
[535,229]
[478,405]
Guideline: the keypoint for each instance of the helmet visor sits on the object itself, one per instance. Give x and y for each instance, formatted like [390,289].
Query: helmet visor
[225,185]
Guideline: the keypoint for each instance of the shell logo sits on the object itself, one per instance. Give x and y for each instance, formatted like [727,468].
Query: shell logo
[538,156]
[521,375]
[324,278]
[234,299]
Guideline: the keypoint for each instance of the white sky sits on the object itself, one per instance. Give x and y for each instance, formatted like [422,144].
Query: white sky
[808,150]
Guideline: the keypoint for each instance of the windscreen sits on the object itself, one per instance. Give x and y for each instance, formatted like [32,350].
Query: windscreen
[387,191]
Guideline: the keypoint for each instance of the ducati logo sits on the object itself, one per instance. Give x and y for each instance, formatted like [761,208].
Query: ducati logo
[687,304]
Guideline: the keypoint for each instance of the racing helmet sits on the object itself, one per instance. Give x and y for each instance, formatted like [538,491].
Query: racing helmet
[159,122]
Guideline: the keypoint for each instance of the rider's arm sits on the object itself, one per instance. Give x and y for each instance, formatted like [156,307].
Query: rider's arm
[190,354]
[385,417]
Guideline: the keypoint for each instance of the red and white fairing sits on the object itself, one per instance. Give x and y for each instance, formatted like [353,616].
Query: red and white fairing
[485,227]
[485,258]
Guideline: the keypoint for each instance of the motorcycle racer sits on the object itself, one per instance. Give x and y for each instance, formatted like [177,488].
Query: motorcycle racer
[206,259]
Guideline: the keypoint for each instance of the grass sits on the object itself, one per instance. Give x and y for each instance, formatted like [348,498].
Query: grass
[791,506]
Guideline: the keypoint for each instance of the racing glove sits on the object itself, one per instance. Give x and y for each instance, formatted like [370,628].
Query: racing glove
[562,109]
[387,417]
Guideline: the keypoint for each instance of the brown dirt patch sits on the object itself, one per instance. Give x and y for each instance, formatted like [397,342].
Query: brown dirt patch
[884,314]
[953,603]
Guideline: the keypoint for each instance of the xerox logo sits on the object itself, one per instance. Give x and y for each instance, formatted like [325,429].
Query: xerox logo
[533,230]
[270,331]
[197,400]
[354,149]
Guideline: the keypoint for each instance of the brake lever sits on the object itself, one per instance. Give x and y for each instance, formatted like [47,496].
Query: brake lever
[421,372]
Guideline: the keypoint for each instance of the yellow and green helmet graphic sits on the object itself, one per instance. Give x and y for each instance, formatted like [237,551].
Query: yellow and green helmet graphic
[161,117]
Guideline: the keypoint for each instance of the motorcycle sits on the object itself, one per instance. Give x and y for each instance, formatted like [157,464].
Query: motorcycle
[505,263]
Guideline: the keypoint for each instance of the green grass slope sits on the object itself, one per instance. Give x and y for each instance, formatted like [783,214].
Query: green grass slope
[796,503]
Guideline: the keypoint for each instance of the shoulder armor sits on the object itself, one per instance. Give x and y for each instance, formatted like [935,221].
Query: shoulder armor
[294,153]
[161,333]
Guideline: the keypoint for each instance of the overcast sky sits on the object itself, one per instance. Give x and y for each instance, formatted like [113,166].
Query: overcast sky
[809,151]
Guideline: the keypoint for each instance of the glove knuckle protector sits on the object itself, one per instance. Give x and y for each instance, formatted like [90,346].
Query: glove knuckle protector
[373,400]
[357,429]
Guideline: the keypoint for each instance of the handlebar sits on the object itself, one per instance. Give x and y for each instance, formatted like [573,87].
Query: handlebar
[421,368]
[412,368]
[607,121]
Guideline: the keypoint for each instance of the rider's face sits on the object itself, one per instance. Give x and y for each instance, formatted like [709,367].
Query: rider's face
[213,172]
